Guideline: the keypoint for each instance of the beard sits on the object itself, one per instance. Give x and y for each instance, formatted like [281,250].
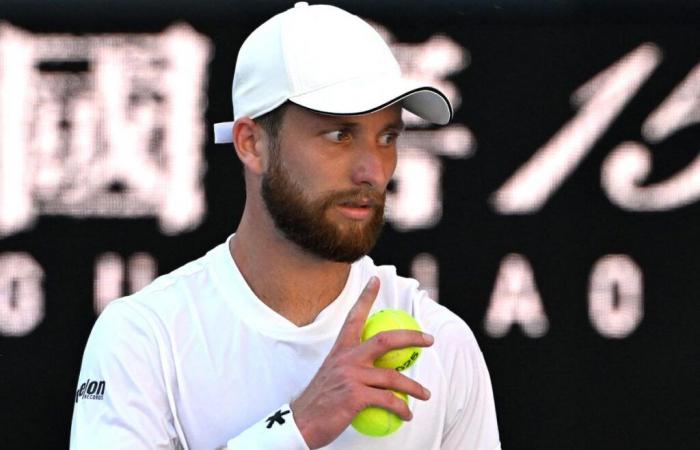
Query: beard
[306,222]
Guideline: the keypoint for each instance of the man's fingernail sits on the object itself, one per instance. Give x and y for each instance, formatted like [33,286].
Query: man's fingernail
[426,393]
[428,338]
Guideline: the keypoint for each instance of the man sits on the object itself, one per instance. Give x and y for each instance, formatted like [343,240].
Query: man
[257,344]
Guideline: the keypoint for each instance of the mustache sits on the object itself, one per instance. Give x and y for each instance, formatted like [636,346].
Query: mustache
[360,196]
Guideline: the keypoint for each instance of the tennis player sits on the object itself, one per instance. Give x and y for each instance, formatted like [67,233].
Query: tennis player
[256,345]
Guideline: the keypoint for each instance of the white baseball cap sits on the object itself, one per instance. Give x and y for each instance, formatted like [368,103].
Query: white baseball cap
[327,60]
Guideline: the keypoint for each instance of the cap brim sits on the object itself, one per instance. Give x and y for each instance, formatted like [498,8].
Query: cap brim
[357,97]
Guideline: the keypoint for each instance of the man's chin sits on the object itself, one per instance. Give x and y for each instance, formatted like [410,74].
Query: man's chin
[345,244]
[347,254]
[358,235]
[359,244]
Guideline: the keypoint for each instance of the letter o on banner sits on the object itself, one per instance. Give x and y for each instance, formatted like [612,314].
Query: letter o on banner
[615,298]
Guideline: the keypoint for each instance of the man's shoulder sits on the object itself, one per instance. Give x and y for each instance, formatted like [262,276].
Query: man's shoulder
[171,292]
[185,275]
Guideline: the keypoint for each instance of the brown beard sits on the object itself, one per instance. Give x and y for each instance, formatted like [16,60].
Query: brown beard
[306,223]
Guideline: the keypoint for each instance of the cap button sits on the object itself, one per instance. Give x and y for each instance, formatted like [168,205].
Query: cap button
[300,4]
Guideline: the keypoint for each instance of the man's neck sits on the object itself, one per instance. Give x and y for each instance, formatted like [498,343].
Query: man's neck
[292,282]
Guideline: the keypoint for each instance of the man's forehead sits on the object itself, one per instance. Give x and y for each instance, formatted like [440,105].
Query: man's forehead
[390,114]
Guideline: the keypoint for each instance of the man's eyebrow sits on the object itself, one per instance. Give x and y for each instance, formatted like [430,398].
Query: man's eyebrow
[398,125]
[345,125]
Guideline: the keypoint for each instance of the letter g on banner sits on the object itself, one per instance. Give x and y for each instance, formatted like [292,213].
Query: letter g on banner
[21,294]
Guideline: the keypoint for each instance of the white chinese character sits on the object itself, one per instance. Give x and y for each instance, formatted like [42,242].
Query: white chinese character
[102,126]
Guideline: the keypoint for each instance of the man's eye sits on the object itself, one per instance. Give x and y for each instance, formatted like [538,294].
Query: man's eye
[338,135]
[388,138]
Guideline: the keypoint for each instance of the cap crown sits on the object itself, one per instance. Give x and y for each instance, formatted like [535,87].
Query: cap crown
[304,49]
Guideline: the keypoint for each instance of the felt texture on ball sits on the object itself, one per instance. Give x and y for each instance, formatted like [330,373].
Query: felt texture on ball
[377,422]
[392,319]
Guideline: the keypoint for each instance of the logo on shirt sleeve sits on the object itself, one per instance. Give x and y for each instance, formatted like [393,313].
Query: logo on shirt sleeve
[276,417]
[91,390]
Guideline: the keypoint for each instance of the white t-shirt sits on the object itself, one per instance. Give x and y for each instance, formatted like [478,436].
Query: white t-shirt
[196,361]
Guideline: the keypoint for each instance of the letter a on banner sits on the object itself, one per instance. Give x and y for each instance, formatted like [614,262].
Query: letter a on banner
[515,299]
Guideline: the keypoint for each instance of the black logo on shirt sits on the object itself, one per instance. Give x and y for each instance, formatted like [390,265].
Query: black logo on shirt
[91,390]
[276,417]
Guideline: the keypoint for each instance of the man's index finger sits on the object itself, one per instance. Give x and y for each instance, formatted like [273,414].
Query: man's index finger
[354,323]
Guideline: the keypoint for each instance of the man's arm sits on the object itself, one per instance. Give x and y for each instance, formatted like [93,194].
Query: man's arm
[121,398]
[471,412]
[130,404]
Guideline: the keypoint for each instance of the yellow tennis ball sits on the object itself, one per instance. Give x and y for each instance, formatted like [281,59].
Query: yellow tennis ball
[378,422]
[392,319]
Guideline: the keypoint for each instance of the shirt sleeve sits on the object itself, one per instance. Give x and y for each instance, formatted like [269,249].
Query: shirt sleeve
[121,400]
[472,414]
[276,432]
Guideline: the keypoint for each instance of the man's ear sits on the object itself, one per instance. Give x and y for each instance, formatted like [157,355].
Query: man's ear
[251,144]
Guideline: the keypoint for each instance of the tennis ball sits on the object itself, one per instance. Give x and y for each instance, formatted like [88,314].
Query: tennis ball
[378,422]
[392,319]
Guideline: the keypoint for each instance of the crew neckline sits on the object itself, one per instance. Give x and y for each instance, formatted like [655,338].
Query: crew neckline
[255,313]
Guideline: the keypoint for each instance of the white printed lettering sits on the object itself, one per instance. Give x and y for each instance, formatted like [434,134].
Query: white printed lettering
[110,272]
[615,302]
[515,300]
[21,294]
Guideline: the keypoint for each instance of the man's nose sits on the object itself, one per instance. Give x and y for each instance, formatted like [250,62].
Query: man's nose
[373,166]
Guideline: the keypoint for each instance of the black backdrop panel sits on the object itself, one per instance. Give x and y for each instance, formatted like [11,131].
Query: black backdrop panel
[557,215]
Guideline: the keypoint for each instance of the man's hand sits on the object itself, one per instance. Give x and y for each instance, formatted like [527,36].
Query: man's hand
[347,382]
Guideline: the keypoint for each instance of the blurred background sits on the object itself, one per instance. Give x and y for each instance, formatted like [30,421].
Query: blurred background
[558,214]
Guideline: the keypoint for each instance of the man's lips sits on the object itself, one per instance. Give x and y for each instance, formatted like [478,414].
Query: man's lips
[357,209]
[359,203]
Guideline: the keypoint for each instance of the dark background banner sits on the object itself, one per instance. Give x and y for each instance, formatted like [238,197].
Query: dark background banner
[558,214]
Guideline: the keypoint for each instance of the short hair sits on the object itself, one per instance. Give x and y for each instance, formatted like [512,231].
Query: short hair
[271,122]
